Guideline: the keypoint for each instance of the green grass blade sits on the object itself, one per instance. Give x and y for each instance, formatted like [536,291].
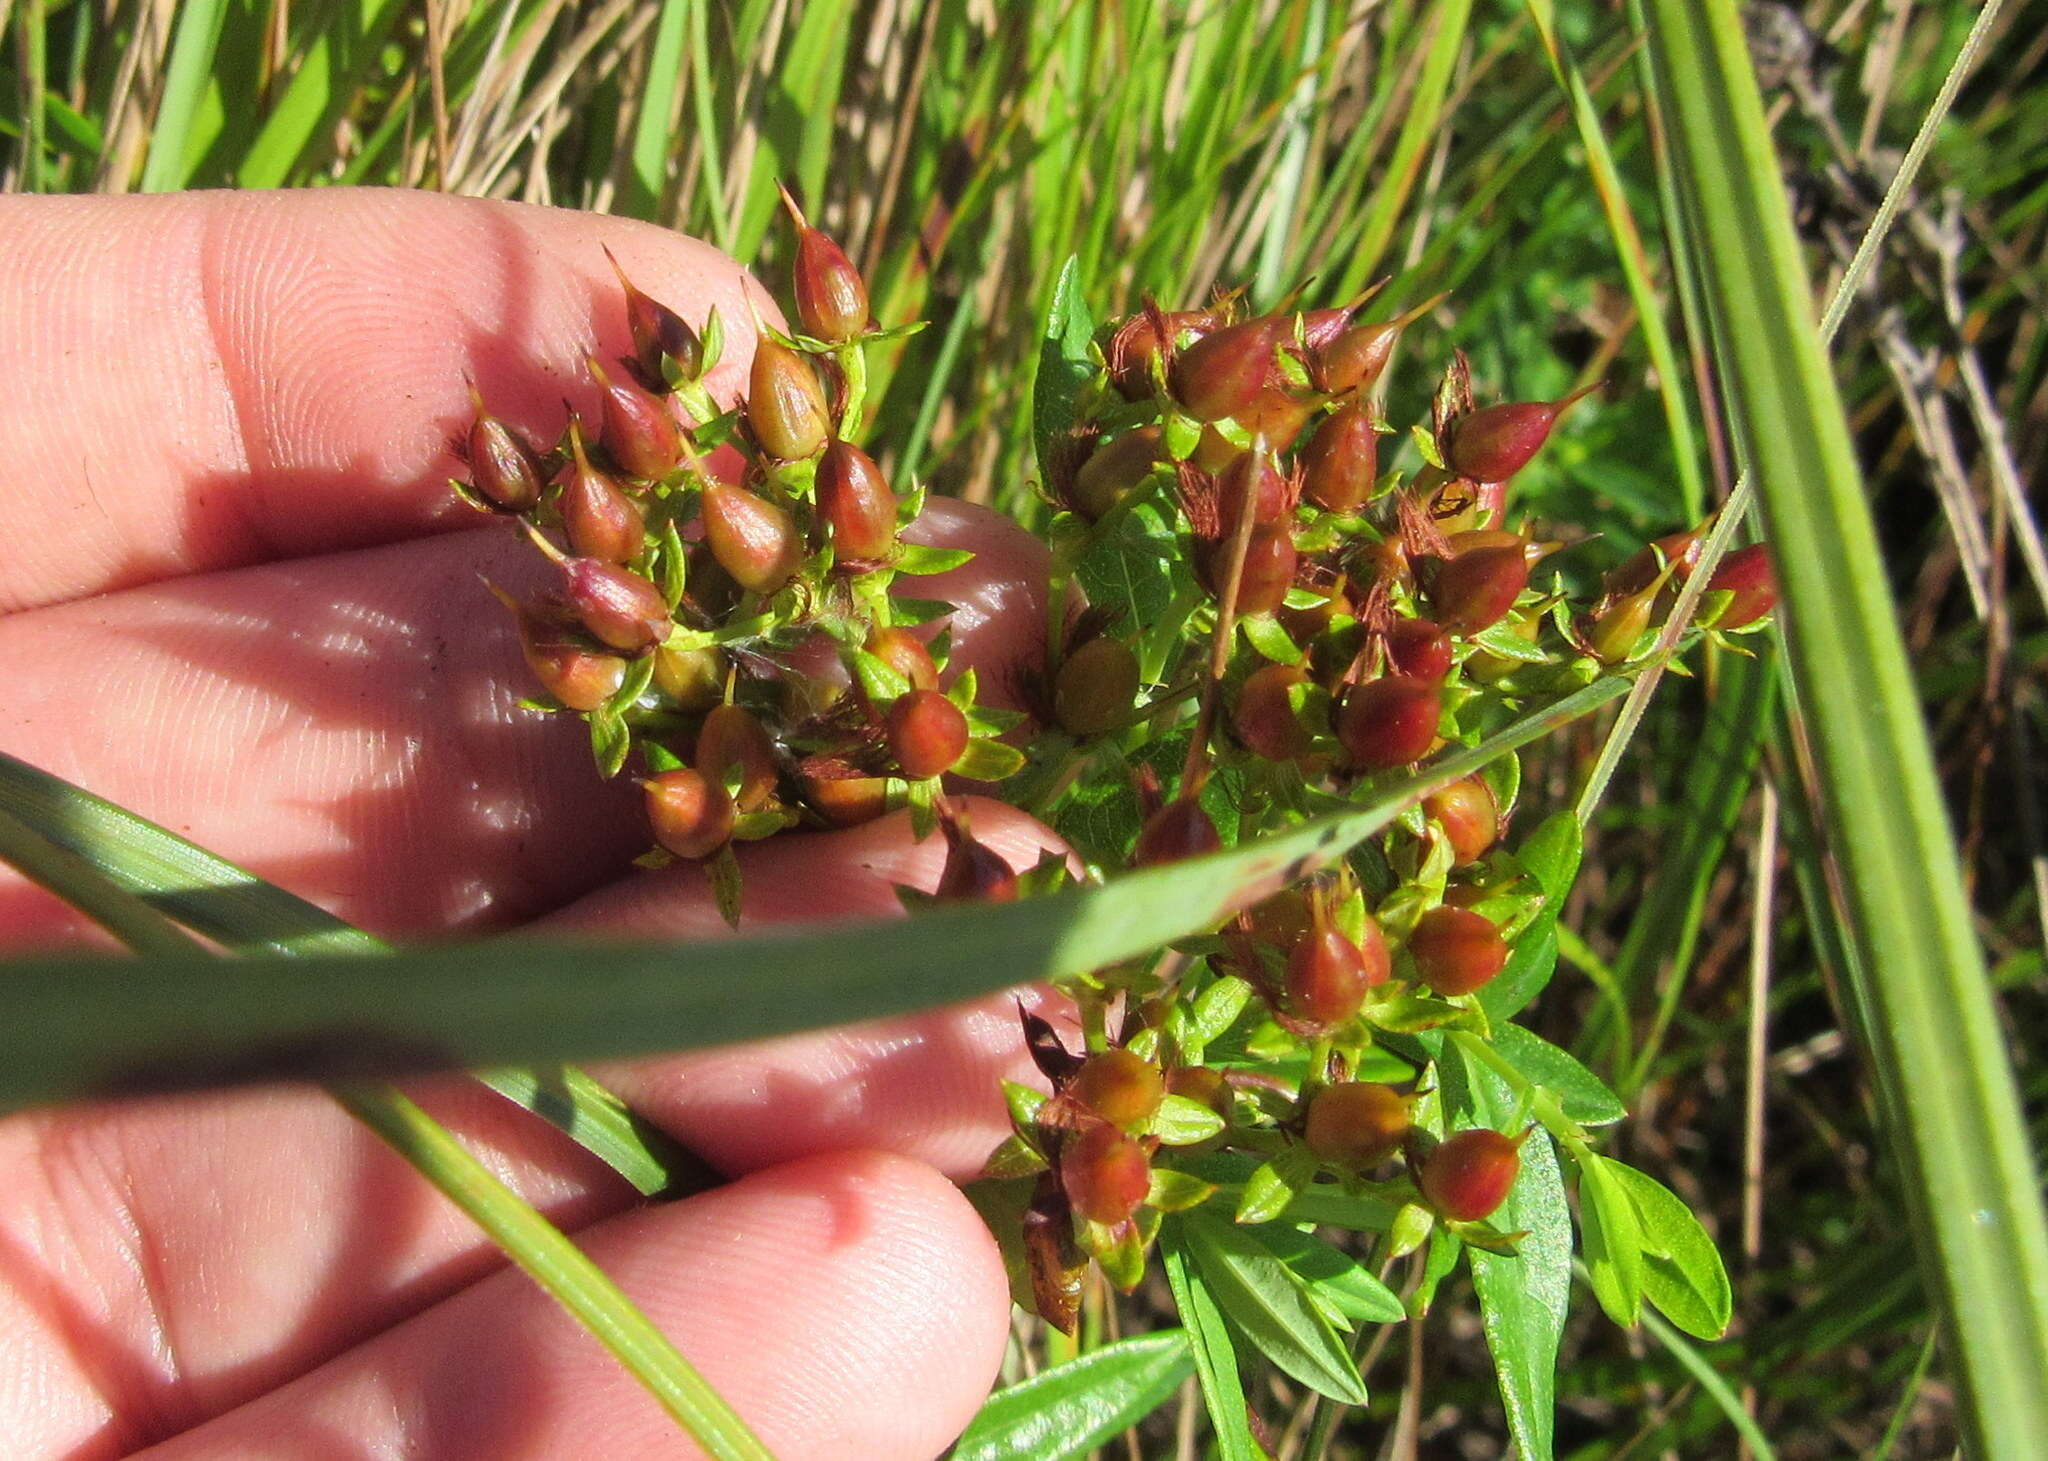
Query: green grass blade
[81,1025]
[171,141]
[316,91]
[1953,1110]
[653,127]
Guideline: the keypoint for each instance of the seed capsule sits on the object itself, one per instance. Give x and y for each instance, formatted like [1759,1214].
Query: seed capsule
[1223,373]
[1275,414]
[1475,590]
[1264,717]
[600,519]
[785,403]
[752,538]
[1105,1173]
[1139,342]
[1388,722]
[904,653]
[620,608]
[1469,1175]
[1328,976]
[1746,573]
[1420,648]
[831,298]
[926,732]
[1270,561]
[1341,462]
[690,813]
[505,466]
[658,331]
[1120,1086]
[692,678]
[636,428]
[1493,444]
[580,677]
[1469,816]
[733,737]
[847,801]
[1250,476]
[1356,358]
[1180,829]
[1619,627]
[855,503]
[1116,467]
[1202,1084]
[1456,950]
[1356,1124]
[973,872]
[1679,551]
[1093,691]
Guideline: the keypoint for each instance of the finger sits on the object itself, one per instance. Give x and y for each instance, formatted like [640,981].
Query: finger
[346,726]
[847,1306]
[199,381]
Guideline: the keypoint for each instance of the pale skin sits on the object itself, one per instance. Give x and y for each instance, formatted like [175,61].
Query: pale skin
[235,595]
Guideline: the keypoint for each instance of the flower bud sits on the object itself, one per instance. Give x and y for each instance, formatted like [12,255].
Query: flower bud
[1180,829]
[658,331]
[904,653]
[1354,1125]
[637,430]
[1096,684]
[620,608]
[1105,1173]
[733,737]
[1223,373]
[785,403]
[504,465]
[693,678]
[600,519]
[1456,950]
[855,503]
[690,813]
[753,539]
[1419,647]
[1120,1086]
[1469,1175]
[926,733]
[1493,444]
[1341,462]
[831,299]
[1745,573]
[1469,816]
[1388,722]
[1264,717]
[1115,468]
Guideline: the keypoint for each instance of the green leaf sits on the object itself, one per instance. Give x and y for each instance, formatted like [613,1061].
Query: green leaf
[1269,1190]
[1551,856]
[1215,1353]
[986,760]
[1063,363]
[1069,1410]
[1613,1241]
[1173,1191]
[1263,633]
[1331,1274]
[920,559]
[1180,1121]
[1269,1306]
[1683,1275]
[1583,1095]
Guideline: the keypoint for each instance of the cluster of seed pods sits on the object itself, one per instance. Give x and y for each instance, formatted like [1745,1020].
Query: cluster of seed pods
[722,614]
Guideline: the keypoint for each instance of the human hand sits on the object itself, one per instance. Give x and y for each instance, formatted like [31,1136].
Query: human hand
[240,600]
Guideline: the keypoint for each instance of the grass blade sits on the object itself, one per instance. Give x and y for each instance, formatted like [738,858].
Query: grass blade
[1951,1103]
[652,128]
[193,44]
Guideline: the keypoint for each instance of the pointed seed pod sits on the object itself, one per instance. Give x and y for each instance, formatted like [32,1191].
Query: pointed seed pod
[1355,359]
[1354,1125]
[1275,414]
[1469,1175]
[690,813]
[692,678]
[1251,476]
[1264,717]
[1328,976]
[1270,561]
[753,539]
[1341,462]
[785,403]
[637,430]
[733,737]
[855,503]
[1180,829]
[504,466]
[1419,647]
[847,801]
[1105,1174]
[1619,627]
[600,519]
[1469,816]
[620,608]
[904,653]
[1120,1086]
[1679,551]
[1745,573]
[1475,590]
[1115,468]
[1093,691]
[657,331]
[926,733]
[1456,950]
[1141,339]
[578,676]
[974,872]
[1493,444]
[831,298]
[1223,373]
[1388,722]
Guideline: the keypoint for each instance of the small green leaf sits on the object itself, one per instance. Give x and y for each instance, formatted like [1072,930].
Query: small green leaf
[1331,1274]
[1218,1006]
[1584,1096]
[1071,1409]
[1613,1241]
[1551,856]
[1683,1275]
[1275,1184]
[1173,1191]
[1266,1301]
[1263,633]
[1182,1122]
[1215,1352]
[986,760]
[879,680]
[1063,363]
[906,611]
[918,559]
[1501,640]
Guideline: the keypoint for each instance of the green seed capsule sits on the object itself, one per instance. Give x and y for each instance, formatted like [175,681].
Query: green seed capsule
[785,403]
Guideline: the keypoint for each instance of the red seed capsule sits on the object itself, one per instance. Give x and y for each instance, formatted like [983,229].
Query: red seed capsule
[1745,573]
[926,732]
[1356,358]
[733,737]
[973,871]
[1180,829]
[831,298]
[620,608]
[657,331]
[1420,648]
[904,653]
[1250,476]
[690,813]
[636,429]
[1356,1124]
[1475,590]
[753,539]
[1679,551]
[1270,561]
[1388,722]
[1456,950]
[1275,414]
[1469,1175]
[1105,1173]
[504,465]
[600,519]
[855,503]
[785,403]
[1137,344]
[1264,717]
[1224,372]
[1469,816]
[847,801]
[1116,467]
[1341,462]
[1493,444]
[578,676]
[1120,1086]
[1093,691]
[1328,976]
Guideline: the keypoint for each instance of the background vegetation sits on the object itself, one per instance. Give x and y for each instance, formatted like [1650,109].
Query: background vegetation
[1499,152]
